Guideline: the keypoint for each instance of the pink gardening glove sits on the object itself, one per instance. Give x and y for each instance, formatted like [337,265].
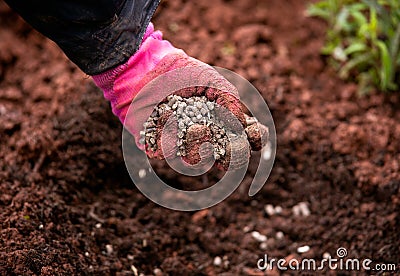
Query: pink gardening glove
[154,58]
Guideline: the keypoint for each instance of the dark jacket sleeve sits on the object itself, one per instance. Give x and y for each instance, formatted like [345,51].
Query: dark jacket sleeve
[96,35]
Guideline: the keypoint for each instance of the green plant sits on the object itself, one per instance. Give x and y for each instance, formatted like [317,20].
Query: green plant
[363,40]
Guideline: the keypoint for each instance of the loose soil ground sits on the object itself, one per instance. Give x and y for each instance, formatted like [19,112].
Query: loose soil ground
[67,204]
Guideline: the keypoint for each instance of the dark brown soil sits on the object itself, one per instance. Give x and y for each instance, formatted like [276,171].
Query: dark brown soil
[67,204]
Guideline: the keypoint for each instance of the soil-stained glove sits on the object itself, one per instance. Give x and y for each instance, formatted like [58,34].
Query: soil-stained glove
[154,58]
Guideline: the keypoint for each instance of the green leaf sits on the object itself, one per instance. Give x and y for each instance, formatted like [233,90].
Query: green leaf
[373,24]
[395,44]
[363,38]
[364,32]
[313,10]
[383,14]
[358,6]
[386,67]
[341,21]
[353,63]
[359,18]
[354,48]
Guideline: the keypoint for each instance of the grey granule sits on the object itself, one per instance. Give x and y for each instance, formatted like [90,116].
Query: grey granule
[188,111]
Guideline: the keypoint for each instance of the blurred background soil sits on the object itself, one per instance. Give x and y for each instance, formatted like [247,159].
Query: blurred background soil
[67,204]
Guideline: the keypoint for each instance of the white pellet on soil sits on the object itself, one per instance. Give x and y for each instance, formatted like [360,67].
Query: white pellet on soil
[278,209]
[301,209]
[303,249]
[109,249]
[142,173]
[157,272]
[226,262]
[304,209]
[267,152]
[217,261]
[134,270]
[279,235]
[258,237]
[326,255]
[246,229]
[269,209]
[263,246]
[296,210]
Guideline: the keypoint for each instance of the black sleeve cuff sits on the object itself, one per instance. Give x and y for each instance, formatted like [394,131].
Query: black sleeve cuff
[95,35]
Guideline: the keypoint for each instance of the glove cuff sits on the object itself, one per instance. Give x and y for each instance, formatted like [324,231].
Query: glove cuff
[122,83]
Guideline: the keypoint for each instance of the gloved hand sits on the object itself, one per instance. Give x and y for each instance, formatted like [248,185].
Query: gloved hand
[154,58]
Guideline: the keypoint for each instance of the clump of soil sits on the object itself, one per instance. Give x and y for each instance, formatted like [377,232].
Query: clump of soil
[67,204]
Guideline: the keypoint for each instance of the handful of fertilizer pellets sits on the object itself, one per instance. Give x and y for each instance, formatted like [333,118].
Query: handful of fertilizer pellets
[198,121]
